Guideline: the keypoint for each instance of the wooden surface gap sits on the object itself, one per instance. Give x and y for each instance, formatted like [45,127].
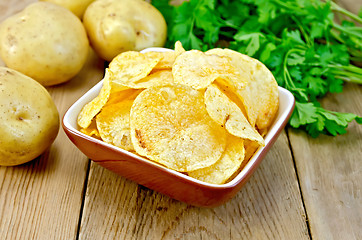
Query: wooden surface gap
[83,199]
[298,179]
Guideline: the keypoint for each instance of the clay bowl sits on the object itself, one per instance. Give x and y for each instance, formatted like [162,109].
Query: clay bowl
[159,178]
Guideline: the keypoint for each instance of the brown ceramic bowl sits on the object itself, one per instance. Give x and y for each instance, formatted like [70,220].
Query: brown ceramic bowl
[159,178]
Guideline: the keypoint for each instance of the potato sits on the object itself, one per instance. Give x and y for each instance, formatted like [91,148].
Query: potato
[78,7]
[45,42]
[115,26]
[28,117]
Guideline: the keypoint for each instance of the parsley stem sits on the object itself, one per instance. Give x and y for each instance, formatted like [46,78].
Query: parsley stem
[348,73]
[346,30]
[336,36]
[355,53]
[337,8]
[288,6]
[351,68]
[351,79]
[337,69]
[355,59]
[305,35]
[273,37]
[288,79]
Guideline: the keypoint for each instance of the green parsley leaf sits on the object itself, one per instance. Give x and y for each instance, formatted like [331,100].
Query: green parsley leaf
[303,114]
[298,40]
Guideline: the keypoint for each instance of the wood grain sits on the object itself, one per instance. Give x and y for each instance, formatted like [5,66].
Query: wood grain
[330,173]
[268,207]
[330,169]
[42,199]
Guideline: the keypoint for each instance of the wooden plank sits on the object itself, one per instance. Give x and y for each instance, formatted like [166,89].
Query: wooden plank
[329,168]
[42,199]
[268,207]
[330,173]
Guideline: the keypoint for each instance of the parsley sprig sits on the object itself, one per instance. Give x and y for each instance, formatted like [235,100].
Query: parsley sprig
[300,41]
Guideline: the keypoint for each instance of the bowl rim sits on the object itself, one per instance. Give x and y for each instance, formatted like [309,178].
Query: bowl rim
[277,126]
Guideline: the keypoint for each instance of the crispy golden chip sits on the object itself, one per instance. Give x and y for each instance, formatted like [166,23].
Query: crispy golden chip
[91,109]
[260,95]
[113,124]
[230,92]
[179,48]
[170,125]
[91,130]
[113,120]
[225,112]
[226,166]
[198,70]
[130,67]
[190,111]
[245,76]
[117,87]
[156,78]
[250,149]
[128,94]
[240,80]
[167,59]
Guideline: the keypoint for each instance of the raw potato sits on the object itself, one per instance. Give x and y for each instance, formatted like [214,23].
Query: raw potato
[45,42]
[116,26]
[78,7]
[29,119]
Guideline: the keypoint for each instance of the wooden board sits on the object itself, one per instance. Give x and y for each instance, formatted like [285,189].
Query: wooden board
[330,173]
[330,168]
[269,206]
[42,199]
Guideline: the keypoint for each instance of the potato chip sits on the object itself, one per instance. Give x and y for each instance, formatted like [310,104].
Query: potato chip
[260,95]
[113,120]
[229,162]
[230,91]
[157,78]
[166,59]
[225,112]
[91,109]
[193,112]
[179,48]
[116,97]
[91,130]
[241,78]
[170,125]
[250,149]
[117,87]
[113,124]
[198,70]
[130,67]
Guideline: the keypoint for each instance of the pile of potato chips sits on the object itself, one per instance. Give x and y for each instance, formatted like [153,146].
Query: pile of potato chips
[200,113]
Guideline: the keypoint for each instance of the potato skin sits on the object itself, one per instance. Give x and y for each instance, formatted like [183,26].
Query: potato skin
[77,7]
[45,42]
[28,116]
[115,26]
